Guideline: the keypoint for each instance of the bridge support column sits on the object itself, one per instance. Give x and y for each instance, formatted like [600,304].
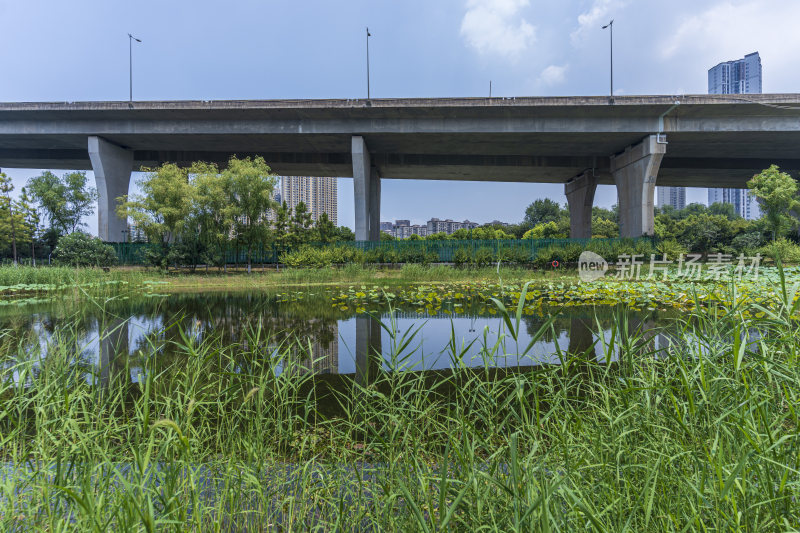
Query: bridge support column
[112,167]
[580,198]
[367,191]
[635,171]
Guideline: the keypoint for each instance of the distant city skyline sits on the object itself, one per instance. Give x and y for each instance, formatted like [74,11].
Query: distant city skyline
[546,48]
[403,228]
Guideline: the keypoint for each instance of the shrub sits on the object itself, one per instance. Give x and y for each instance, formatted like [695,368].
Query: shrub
[482,256]
[312,257]
[80,249]
[417,255]
[788,251]
[515,255]
[671,248]
[748,243]
[462,256]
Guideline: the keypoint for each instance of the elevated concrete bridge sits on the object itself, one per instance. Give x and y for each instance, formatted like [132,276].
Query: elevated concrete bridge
[695,140]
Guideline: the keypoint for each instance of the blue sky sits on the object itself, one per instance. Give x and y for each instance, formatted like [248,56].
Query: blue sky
[78,50]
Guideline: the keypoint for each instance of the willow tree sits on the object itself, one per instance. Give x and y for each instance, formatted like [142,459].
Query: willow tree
[162,209]
[250,184]
[213,210]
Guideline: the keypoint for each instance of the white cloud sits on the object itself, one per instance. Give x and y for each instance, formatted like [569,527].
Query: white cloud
[598,15]
[554,74]
[729,29]
[494,27]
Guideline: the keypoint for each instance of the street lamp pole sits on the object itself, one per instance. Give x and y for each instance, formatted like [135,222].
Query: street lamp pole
[368,36]
[131,38]
[610,26]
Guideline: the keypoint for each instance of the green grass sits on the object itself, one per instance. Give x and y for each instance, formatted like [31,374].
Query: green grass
[48,279]
[61,276]
[220,436]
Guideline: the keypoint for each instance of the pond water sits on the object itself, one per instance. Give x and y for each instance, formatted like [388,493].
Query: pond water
[336,341]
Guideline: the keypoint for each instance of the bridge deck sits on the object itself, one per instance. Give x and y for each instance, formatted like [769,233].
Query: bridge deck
[714,140]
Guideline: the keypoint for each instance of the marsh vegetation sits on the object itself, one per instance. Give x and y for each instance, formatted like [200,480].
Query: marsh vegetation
[225,431]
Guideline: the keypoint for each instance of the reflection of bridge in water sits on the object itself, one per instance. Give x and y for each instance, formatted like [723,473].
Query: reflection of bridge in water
[322,357]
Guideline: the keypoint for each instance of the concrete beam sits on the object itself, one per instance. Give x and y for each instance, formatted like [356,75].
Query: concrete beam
[635,171]
[580,198]
[112,167]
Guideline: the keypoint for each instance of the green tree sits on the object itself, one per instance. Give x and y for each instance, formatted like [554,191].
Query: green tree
[604,228]
[250,188]
[162,209]
[546,230]
[541,211]
[214,213]
[65,200]
[8,209]
[606,214]
[345,234]
[300,227]
[777,192]
[725,209]
[325,230]
[283,216]
[706,233]
[30,214]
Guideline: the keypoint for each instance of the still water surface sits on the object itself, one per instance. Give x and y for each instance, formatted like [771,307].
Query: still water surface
[337,341]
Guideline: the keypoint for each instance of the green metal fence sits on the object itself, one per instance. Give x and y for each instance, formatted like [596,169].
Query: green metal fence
[445,251]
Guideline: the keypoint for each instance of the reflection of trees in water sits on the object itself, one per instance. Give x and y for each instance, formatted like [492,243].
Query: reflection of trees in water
[306,325]
[241,320]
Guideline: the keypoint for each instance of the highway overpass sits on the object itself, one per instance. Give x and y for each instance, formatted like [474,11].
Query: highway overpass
[633,142]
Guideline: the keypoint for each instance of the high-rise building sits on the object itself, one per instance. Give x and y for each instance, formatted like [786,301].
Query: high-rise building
[740,76]
[319,195]
[743,201]
[672,196]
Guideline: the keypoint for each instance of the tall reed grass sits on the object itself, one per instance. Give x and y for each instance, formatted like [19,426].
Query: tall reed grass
[62,275]
[703,436]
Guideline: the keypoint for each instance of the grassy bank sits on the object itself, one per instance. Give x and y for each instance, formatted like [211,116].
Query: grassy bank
[228,436]
[49,278]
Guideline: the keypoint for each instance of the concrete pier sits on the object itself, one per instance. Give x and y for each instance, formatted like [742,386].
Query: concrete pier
[580,198]
[635,171]
[112,167]
[367,192]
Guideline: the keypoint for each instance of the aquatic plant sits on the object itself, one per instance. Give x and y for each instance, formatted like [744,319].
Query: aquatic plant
[243,435]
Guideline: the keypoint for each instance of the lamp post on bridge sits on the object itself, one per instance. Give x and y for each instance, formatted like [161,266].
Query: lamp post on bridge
[131,38]
[610,26]
[368,36]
